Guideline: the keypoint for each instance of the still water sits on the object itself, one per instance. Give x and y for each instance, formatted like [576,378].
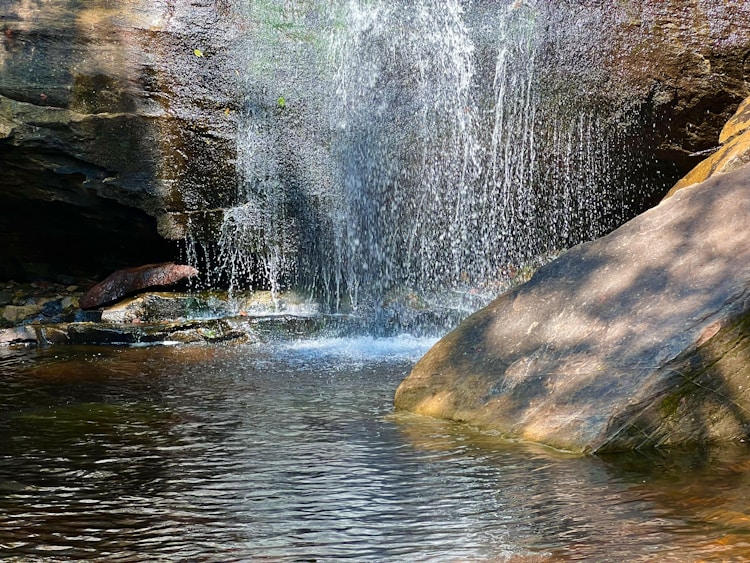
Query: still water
[290,451]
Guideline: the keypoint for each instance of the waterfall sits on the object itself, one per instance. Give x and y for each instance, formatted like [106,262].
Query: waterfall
[431,148]
[404,145]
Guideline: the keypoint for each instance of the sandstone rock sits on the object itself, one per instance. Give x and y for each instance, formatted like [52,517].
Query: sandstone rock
[640,338]
[734,153]
[184,332]
[738,124]
[103,113]
[131,280]
[689,63]
[160,307]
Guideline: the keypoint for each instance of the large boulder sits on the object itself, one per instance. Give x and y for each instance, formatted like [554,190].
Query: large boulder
[640,338]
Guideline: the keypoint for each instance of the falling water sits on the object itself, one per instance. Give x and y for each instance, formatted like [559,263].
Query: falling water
[424,148]
[404,145]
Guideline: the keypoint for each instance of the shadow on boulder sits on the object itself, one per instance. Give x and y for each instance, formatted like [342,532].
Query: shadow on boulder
[637,339]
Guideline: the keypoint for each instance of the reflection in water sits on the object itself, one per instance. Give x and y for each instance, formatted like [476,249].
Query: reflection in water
[291,452]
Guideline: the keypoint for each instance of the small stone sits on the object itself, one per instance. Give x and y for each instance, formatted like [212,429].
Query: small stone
[52,308]
[18,313]
[18,335]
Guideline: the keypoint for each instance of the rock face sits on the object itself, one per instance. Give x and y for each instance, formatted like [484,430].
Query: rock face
[130,280]
[108,121]
[640,338]
[733,154]
[118,125]
[689,63]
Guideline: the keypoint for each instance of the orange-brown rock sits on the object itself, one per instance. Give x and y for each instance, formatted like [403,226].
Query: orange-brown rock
[130,280]
[738,124]
[733,154]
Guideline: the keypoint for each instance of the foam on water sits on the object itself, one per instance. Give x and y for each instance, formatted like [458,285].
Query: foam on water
[360,348]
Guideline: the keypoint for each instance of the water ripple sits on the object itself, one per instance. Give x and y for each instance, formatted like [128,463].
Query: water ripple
[291,453]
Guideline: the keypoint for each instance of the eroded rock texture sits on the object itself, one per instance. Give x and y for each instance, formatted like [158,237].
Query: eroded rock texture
[688,61]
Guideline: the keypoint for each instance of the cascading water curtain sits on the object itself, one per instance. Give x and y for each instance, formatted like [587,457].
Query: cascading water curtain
[274,235]
[403,135]
[467,147]
[422,147]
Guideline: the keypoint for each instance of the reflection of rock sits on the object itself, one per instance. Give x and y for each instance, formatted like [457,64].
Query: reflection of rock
[637,339]
[130,280]
[735,152]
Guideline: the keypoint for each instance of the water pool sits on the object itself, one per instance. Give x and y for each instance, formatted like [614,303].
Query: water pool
[290,451]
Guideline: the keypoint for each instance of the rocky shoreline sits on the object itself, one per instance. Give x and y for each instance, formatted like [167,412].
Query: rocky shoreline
[49,314]
[45,313]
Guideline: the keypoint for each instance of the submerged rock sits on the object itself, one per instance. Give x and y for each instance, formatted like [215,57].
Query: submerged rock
[215,330]
[128,281]
[638,339]
[160,307]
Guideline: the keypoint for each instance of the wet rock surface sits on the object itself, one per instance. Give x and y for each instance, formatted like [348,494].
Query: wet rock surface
[638,339]
[118,127]
[102,112]
[686,64]
[131,280]
[158,317]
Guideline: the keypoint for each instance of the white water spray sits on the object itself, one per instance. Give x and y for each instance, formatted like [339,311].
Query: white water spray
[423,148]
